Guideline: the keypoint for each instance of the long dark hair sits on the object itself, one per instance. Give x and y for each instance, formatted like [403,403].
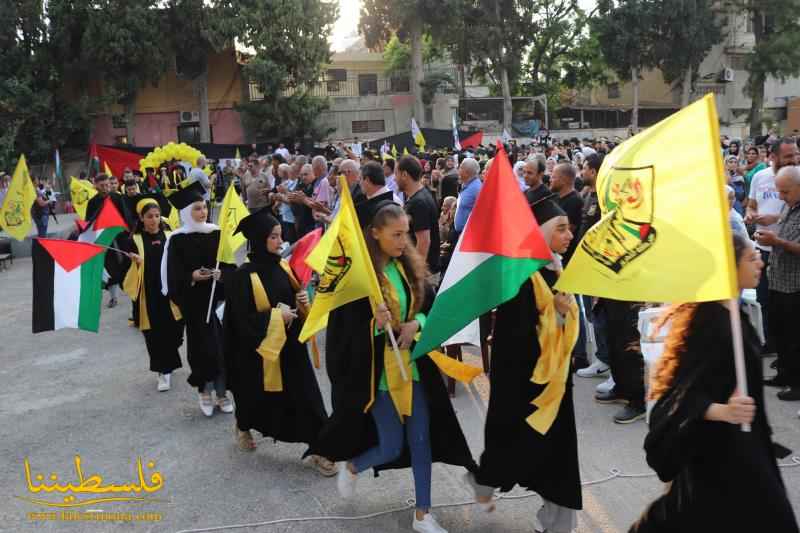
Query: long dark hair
[140,225]
[412,262]
[681,317]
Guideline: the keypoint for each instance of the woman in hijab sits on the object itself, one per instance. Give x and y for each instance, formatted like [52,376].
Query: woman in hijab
[156,316]
[267,368]
[530,437]
[187,273]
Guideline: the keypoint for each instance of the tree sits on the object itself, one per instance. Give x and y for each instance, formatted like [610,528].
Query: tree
[290,40]
[625,32]
[776,26]
[126,51]
[198,28]
[687,29]
[409,20]
[397,54]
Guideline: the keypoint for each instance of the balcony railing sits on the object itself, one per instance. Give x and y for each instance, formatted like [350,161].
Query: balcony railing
[362,85]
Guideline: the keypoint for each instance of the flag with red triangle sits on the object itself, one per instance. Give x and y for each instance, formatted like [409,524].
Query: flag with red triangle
[498,250]
[67,284]
[300,252]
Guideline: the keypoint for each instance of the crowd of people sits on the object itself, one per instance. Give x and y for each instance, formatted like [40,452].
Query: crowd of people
[412,211]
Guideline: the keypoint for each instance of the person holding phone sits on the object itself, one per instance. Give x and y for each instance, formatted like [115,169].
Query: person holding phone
[268,369]
[187,279]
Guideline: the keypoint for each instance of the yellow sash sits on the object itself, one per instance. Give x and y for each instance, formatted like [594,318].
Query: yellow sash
[272,344]
[133,285]
[556,342]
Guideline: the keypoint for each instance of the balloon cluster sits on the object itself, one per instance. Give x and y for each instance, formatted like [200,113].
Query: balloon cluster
[169,152]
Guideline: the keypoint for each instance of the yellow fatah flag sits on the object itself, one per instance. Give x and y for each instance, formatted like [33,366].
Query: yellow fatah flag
[405,151]
[664,234]
[394,152]
[231,213]
[107,169]
[238,155]
[15,213]
[344,266]
[174,219]
[81,192]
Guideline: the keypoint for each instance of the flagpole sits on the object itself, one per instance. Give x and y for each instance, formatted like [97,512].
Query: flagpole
[397,352]
[738,352]
[211,299]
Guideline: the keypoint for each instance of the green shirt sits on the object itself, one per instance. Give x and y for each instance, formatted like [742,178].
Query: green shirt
[393,274]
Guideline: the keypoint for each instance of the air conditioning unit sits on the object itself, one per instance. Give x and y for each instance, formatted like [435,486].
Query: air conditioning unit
[728,74]
[190,116]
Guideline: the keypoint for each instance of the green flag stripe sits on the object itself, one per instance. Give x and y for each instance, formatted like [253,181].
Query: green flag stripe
[92,284]
[490,284]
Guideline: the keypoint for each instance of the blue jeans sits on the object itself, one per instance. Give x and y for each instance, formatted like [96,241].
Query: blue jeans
[41,225]
[598,319]
[390,441]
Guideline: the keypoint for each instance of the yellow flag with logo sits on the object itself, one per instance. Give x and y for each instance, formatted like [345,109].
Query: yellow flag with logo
[107,169]
[231,213]
[15,213]
[664,234]
[345,269]
[81,191]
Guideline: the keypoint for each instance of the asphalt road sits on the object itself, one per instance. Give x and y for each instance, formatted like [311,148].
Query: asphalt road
[70,393]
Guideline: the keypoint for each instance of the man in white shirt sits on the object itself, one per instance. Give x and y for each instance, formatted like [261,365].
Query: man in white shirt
[283,151]
[391,181]
[763,209]
[356,148]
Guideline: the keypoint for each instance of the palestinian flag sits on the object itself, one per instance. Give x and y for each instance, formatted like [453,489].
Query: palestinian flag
[67,279]
[500,248]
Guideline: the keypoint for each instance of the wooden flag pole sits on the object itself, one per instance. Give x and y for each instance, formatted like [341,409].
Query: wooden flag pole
[211,298]
[738,352]
[397,352]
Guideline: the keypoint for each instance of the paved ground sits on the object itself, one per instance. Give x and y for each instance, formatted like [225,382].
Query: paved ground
[71,392]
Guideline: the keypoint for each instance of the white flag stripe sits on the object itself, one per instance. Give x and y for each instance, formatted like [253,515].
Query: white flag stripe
[66,297]
[461,264]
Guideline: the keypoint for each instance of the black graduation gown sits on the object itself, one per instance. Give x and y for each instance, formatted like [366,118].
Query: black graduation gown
[295,414]
[514,453]
[350,431]
[115,263]
[165,334]
[187,253]
[722,479]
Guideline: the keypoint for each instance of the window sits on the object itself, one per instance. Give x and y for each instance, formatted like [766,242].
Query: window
[401,85]
[613,90]
[118,121]
[429,114]
[336,76]
[748,25]
[367,84]
[121,139]
[190,133]
[369,126]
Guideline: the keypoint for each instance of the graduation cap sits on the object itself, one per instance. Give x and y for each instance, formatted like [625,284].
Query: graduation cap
[187,196]
[257,225]
[365,211]
[546,209]
[149,198]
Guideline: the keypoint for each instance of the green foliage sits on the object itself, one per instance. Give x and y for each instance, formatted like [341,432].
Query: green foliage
[686,31]
[431,83]
[624,31]
[397,54]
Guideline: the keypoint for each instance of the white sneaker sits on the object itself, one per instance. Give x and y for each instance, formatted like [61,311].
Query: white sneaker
[206,405]
[163,382]
[428,524]
[346,482]
[606,386]
[594,370]
[225,404]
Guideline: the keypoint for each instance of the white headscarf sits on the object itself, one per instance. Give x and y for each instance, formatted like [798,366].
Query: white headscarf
[547,230]
[188,225]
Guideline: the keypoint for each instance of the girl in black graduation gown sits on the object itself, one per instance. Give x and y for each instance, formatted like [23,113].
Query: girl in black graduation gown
[267,368]
[156,316]
[719,477]
[187,271]
[355,360]
[535,447]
